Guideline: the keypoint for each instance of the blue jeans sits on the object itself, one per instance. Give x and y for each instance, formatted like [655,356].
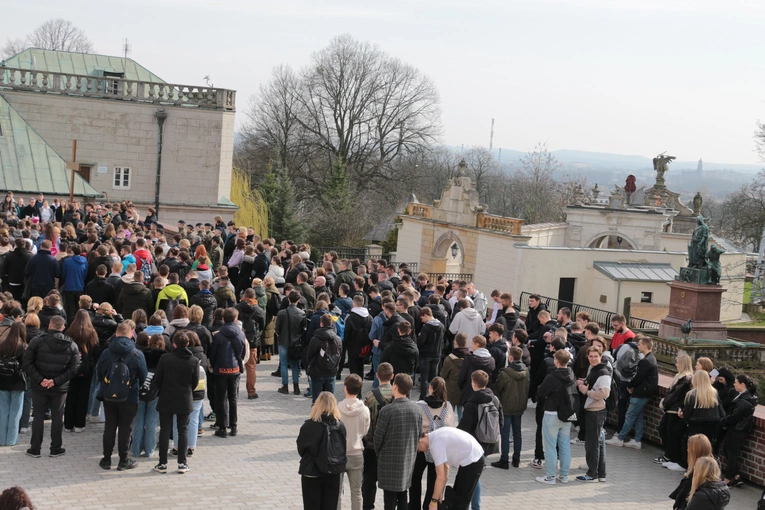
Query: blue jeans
[201,417]
[284,362]
[556,432]
[475,503]
[512,422]
[634,417]
[95,404]
[375,366]
[193,425]
[145,429]
[319,384]
[11,405]
[458,411]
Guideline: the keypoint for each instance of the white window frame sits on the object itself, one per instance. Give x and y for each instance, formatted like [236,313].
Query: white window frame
[124,174]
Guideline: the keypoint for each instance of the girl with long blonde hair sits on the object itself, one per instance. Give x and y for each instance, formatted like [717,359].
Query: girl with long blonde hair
[702,411]
[672,428]
[698,447]
[707,490]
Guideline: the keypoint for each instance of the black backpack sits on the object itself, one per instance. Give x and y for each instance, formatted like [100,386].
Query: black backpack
[569,403]
[329,357]
[10,368]
[612,402]
[332,459]
[117,382]
[171,305]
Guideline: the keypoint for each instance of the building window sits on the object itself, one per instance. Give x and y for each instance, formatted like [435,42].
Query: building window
[646,297]
[121,177]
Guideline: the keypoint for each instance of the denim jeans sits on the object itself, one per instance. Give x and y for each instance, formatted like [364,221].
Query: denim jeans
[201,417]
[634,417]
[512,423]
[193,426]
[145,429]
[285,362]
[375,365]
[556,432]
[458,412]
[475,502]
[95,404]
[319,384]
[11,405]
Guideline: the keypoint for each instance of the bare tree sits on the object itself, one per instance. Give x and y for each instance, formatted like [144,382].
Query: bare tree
[481,165]
[54,34]
[538,167]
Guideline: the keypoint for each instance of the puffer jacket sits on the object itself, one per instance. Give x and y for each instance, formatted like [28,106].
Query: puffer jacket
[710,496]
[105,326]
[222,356]
[51,356]
[47,313]
[675,397]
[740,418]
[135,296]
[512,387]
[207,302]
[498,351]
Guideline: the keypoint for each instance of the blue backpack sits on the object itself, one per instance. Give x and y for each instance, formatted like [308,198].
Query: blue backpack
[339,326]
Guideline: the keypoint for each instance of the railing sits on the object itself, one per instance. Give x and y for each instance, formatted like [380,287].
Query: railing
[667,350]
[421,210]
[413,266]
[434,277]
[117,88]
[346,252]
[602,317]
[499,223]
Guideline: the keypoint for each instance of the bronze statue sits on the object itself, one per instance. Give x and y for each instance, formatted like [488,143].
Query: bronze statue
[697,247]
[697,203]
[661,165]
[715,267]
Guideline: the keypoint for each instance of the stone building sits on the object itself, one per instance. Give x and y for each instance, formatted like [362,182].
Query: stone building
[606,251]
[138,136]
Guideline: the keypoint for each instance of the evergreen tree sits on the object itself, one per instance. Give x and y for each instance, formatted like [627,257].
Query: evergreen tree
[283,208]
[336,224]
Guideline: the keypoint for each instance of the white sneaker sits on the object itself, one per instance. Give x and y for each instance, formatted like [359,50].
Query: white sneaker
[549,480]
[674,466]
[24,430]
[79,429]
[577,441]
[536,464]
[633,444]
[563,479]
[615,441]
[531,405]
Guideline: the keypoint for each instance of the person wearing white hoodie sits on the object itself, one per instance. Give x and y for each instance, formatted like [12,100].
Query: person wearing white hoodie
[467,320]
[355,416]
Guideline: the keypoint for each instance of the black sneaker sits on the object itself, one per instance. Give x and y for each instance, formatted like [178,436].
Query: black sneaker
[736,482]
[57,452]
[253,396]
[105,463]
[661,460]
[190,452]
[210,417]
[500,464]
[221,433]
[126,464]
[369,377]
[174,452]
[233,432]
[276,373]
[182,468]
[33,453]
[160,468]
[516,463]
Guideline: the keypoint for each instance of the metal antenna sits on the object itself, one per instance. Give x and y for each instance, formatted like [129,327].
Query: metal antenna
[491,137]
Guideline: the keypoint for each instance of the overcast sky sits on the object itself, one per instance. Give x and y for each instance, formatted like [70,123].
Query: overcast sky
[623,76]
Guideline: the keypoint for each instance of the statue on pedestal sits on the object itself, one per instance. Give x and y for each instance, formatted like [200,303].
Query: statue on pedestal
[661,165]
[697,203]
[697,247]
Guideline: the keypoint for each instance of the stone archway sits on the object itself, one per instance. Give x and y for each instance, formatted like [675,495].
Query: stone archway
[612,240]
[442,256]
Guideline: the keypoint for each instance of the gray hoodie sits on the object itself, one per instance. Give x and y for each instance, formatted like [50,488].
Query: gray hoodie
[468,321]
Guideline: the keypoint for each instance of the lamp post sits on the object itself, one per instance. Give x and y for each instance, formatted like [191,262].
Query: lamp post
[455,249]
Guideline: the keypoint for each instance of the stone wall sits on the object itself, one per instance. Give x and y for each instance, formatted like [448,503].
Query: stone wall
[747,334]
[752,464]
[196,156]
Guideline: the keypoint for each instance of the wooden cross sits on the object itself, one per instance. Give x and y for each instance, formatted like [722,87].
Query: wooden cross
[74,167]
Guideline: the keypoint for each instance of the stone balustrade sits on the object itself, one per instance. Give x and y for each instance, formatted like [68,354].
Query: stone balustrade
[420,210]
[116,88]
[500,223]
[718,351]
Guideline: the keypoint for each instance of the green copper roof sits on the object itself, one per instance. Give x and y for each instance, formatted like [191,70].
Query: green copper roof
[28,164]
[87,64]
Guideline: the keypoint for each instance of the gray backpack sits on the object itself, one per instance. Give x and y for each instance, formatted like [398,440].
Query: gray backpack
[487,431]
[436,422]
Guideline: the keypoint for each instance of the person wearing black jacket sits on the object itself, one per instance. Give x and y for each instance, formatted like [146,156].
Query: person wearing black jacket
[14,386]
[738,423]
[537,345]
[560,396]
[253,323]
[102,259]
[175,378]
[401,351]
[480,359]
[429,342]
[497,347]
[206,301]
[99,290]
[532,317]
[321,490]
[50,361]
[642,387]
[226,356]
[323,340]
[197,414]
[261,263]
[672,428]
[358,324]
[42,270]
[15,263]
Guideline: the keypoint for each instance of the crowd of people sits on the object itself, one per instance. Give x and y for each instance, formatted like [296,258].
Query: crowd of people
[110,318]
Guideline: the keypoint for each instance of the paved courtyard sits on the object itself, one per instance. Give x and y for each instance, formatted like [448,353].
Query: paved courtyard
[258,469]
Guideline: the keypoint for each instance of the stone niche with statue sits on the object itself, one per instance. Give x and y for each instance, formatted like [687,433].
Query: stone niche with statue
[696,295]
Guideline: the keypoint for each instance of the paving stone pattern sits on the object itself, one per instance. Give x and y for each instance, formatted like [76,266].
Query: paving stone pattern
[259,469]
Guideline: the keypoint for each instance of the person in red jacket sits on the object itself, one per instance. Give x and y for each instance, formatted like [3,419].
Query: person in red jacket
[141,253]
[622,333]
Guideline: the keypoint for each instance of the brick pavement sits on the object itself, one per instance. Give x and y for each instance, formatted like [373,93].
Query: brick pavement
[258,469]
